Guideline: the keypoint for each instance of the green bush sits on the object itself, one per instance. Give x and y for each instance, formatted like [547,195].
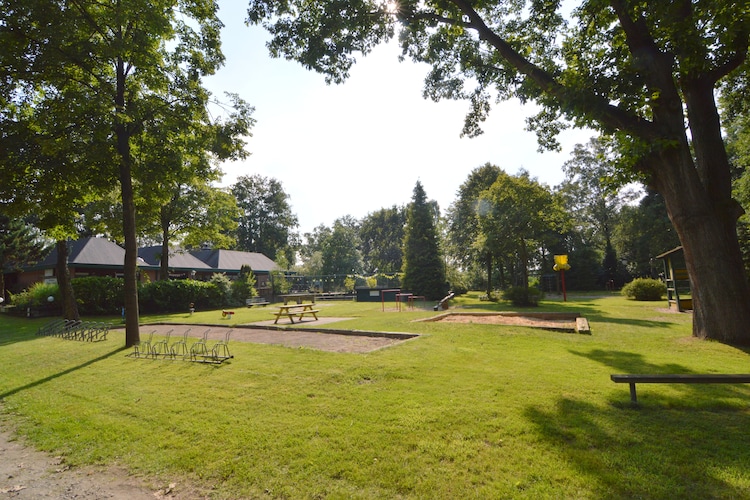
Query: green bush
[177,295]
[224,288]
[36,296]
[98,294]
[644,289]
[243,287]
[279,283]
[522,296]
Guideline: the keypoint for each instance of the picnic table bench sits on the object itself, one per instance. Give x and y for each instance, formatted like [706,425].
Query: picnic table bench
[690,378]
[299,310]
[256,301]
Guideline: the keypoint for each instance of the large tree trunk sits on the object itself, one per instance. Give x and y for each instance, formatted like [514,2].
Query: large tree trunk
[524,255]
[132,332]
[67,296]
[706,227]
[164,259]
[488,263]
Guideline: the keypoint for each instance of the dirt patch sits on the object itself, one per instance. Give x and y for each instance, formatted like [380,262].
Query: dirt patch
[30,474]
[324,340]
[566,322]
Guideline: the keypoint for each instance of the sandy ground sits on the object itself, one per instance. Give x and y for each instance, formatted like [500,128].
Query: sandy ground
[496,319]
[26,473]
[289,337]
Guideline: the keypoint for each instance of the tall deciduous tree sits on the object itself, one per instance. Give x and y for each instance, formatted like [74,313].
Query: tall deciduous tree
[593,198]
[196,215]
[136,62]
[49,163]
[311,251]
[643,232]
[517,214]
[340,248]
[465,239]
[423,268]
[638,72]
[266,223]
[381,234]
[591,192]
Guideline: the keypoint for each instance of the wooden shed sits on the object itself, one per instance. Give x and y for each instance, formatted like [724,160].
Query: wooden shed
[679,296]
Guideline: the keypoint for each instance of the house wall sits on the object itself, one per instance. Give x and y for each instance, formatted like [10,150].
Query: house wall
[19,281]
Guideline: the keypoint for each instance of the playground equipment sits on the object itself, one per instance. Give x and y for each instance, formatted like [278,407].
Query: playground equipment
[561,265]
[443,303]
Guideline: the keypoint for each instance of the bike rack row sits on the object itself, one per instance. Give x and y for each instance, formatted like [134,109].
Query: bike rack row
[87,331]
[199,351]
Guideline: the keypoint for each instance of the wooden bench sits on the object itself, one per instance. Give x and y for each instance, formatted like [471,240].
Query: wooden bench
[299,310]
[633,379]
[256,301]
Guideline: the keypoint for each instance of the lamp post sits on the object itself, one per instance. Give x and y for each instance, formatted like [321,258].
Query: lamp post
[561,265]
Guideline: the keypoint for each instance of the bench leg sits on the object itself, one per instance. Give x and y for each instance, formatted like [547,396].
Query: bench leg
[633,397]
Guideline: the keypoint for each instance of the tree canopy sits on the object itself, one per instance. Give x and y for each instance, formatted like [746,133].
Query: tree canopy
[266,222]
[516,215]
[20,245]
[137,65]
[381,234]
[642,73]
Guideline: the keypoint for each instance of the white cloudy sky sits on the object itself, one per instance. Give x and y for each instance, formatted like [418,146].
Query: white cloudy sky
[352,149]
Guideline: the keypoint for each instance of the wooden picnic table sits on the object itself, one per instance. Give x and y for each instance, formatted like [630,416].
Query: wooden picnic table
[293,310]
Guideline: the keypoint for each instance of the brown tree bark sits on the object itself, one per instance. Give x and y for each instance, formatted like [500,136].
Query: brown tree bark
[488,263]
[67,296]
[706,227]
[164,259]
[132,320]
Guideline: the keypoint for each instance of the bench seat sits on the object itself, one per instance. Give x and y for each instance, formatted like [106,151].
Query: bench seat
[678,378]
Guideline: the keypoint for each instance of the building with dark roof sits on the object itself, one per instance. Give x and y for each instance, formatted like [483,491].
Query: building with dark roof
[86,257]
[231,261]
[182,264]
[101,257]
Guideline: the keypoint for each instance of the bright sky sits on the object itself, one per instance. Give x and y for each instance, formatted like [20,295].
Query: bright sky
[355,148]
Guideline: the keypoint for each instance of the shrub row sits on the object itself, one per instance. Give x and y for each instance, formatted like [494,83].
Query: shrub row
[105,295]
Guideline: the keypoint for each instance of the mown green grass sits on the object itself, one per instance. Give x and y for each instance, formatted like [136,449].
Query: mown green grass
[464,411]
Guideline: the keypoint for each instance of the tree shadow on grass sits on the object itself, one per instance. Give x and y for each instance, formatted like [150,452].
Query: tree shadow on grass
[712,397]
[593,313]
[652,453]
[15,330]
[683,442]
[49,378]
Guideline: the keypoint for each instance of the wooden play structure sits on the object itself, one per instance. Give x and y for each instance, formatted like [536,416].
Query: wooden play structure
[679,296]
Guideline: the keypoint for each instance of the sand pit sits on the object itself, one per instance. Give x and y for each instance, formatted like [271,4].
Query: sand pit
[567,322]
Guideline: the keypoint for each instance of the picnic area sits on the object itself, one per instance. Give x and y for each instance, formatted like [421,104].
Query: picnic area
[453,409]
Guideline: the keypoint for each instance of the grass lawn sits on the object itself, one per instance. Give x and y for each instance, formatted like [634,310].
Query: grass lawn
[463,411]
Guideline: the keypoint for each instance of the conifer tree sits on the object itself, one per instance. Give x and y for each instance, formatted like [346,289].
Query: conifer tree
[19,246]
[423,268]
